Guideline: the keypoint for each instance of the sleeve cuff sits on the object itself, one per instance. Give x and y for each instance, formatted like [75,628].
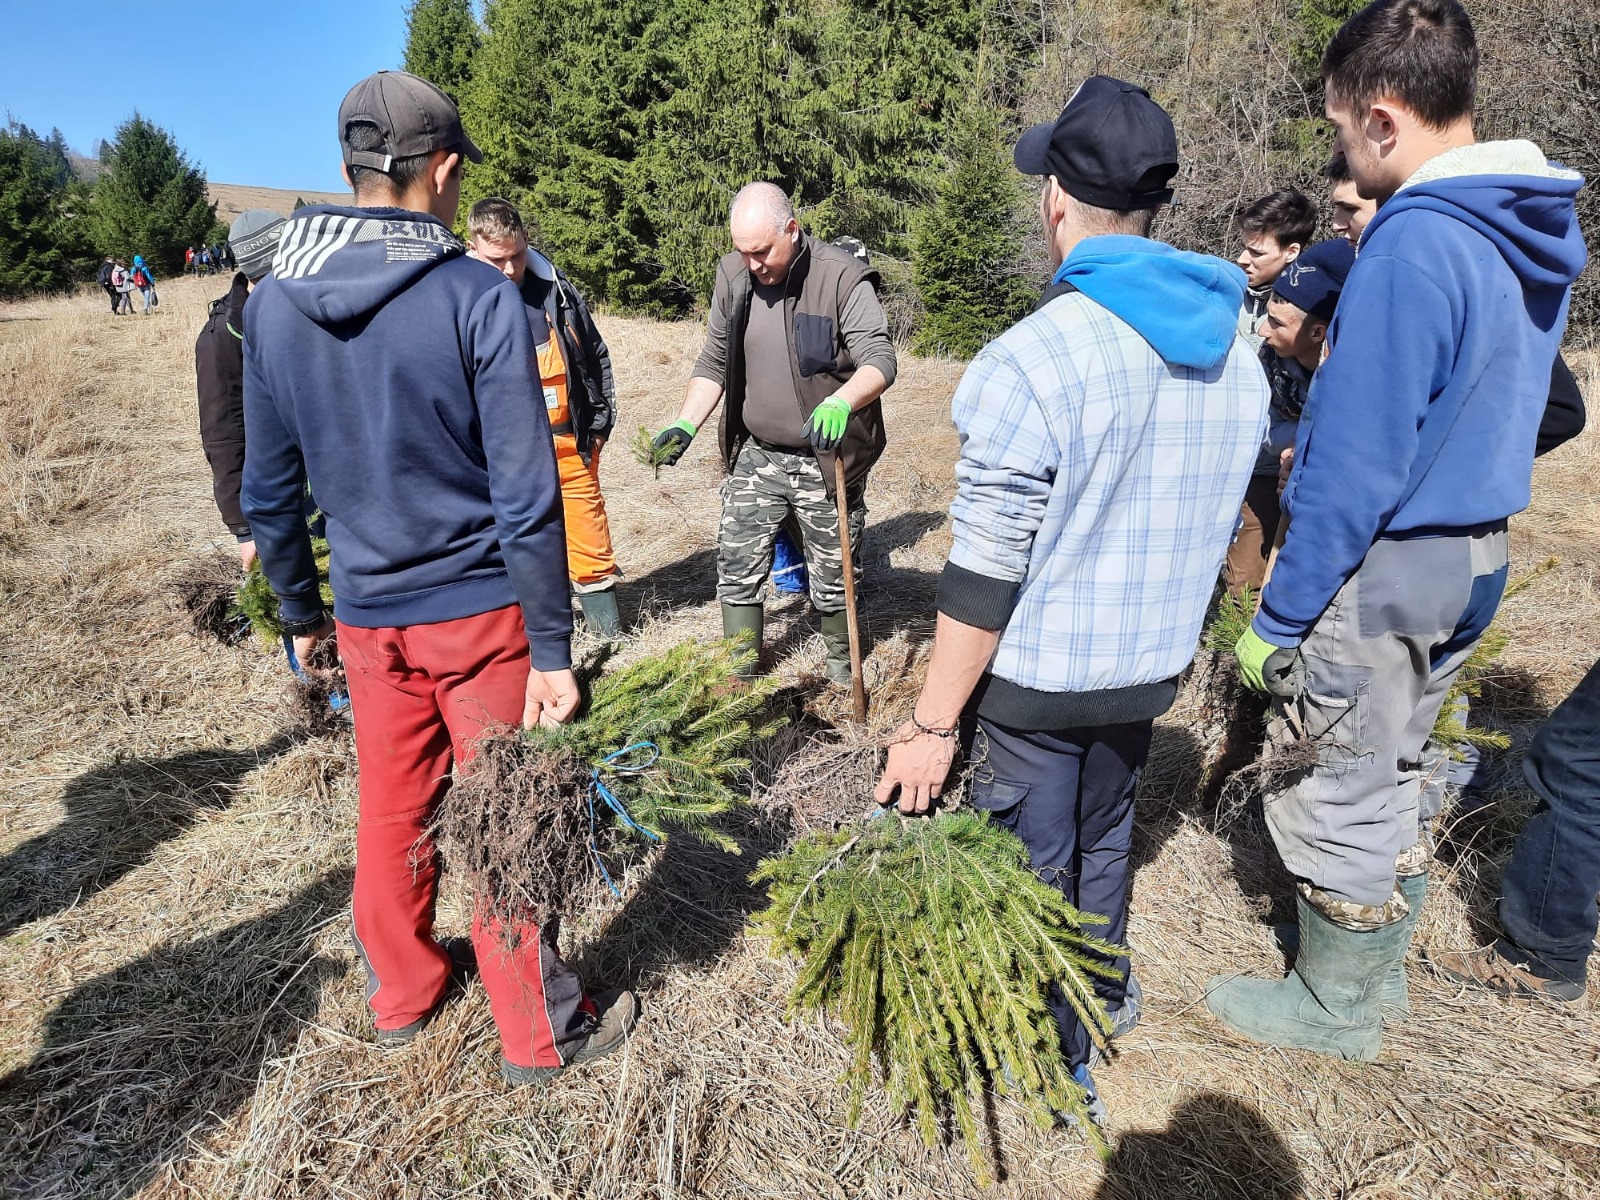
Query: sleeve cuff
[550,654]
[709,373]
[975,599]
[1275,632]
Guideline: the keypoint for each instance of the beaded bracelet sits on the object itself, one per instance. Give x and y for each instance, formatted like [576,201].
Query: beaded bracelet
[938,733]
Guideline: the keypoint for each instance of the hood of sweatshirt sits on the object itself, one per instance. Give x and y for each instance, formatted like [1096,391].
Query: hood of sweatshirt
[1512,195]
[336,264]
[1185,305]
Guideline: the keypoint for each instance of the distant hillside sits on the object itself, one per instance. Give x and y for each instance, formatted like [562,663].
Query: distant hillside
[233,198]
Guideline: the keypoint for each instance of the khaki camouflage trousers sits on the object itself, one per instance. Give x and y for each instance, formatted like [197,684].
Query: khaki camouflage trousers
[763,489]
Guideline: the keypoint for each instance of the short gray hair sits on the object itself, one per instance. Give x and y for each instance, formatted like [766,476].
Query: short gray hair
[1134,222]
[765,198]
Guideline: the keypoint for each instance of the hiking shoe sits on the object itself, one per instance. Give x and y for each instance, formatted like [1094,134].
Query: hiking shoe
[616,1013]
[1488,968]
[1095,1106]
[463,966]
[1123,1018]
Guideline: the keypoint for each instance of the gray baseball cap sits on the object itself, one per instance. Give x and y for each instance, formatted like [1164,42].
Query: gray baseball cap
[413,116]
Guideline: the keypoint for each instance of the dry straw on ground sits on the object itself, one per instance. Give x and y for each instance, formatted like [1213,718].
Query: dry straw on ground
[183,1011]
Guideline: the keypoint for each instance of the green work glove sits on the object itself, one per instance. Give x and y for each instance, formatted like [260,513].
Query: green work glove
[825,425]
[1277,670]
[673,441]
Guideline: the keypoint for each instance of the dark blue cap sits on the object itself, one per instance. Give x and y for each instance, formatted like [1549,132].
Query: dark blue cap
[1112,147]
[1314,280]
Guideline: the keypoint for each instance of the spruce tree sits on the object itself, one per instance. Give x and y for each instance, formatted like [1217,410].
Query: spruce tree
[441,38]
[968,247]
[42,243]
[150,200]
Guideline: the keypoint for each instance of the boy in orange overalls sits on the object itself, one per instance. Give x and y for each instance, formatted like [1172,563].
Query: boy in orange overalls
[579,397]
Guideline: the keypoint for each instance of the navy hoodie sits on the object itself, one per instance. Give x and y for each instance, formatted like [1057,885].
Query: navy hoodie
[1423,420]
[398,376]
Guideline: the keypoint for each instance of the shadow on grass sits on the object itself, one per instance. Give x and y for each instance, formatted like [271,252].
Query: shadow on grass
[117,816]
[1213,1148]
[140,1061]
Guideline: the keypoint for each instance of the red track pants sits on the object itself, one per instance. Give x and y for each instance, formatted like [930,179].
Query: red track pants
[421,696]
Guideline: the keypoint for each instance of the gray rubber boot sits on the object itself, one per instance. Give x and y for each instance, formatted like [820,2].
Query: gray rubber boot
[1394,1001]
[600,613]
[836,639]
[1329,1003]
[745,620]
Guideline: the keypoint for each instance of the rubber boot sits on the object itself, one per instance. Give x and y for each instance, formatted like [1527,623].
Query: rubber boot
[1329,1003]
[600,613]
[745,621]
[1394,1001]
[836,640]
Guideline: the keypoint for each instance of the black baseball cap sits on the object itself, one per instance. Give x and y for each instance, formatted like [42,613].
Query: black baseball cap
[1112,147]
[413,116]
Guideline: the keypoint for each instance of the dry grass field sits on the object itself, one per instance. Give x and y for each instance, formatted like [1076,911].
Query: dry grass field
[182,1008]
[234,198]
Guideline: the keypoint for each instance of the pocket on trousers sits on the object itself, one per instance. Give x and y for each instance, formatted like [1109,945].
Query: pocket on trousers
[813,344]
[997,797]
[1337,726]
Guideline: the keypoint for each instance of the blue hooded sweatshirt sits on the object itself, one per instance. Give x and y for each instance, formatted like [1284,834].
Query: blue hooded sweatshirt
[1422,421]
[1106,441]
[398,376]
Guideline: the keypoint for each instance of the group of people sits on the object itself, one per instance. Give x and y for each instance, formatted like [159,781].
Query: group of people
[208,260]
[119,281]
[1151,421]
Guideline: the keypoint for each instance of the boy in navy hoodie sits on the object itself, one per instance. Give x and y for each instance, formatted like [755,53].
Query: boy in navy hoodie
[396,374]
[1416,447]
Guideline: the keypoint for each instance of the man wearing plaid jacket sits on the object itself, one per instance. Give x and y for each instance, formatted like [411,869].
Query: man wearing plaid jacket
[1106,441]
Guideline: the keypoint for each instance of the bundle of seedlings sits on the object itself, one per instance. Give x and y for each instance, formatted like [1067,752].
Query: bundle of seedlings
[1229,719]
[258,603]
[207,589]
[541,816]
[935,945]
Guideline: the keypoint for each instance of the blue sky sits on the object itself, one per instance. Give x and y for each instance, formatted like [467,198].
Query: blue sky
[257,106]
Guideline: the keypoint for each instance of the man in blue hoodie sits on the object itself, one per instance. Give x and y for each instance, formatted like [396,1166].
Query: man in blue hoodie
[1106,441]
[397,375]
[1416,446]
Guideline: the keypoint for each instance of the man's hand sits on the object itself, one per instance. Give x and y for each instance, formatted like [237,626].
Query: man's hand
[827,422]
[673,441]
[1277,670]
[305,643]
[552,698]
[1285,465]
[918,765]
[247,554]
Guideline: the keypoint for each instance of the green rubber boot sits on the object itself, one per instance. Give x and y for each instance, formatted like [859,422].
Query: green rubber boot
[836,640]
[1394,1001]
[600,613]
[745,621]
[1329,1002]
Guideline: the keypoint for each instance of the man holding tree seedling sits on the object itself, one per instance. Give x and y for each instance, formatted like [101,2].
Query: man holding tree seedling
[394,372]
[1416,446]
[1106,441]
[799,347]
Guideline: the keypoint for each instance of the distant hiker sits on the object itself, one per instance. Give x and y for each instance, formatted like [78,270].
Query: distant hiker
[1352,212]
[1272,230]
[798,344]
[104,278]
[1294,332]
[1416,447]
[145,281]
[394,372]
[219,372]
[122,280]
[1105,443]
[190,266]
[1547,892]
[580,399]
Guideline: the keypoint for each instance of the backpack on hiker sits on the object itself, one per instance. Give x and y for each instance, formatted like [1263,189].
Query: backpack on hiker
[141,280]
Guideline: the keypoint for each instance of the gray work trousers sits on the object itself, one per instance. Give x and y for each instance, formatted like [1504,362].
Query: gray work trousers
[1379,663]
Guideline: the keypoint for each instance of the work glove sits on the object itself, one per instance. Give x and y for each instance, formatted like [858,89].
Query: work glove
[1277,670]
[674,440]
[825,426]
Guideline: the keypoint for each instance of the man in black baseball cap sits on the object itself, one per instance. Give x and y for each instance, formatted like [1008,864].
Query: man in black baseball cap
[1106,441]
[398,376]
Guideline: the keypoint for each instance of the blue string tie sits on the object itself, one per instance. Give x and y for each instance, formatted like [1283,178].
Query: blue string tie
[621,763]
